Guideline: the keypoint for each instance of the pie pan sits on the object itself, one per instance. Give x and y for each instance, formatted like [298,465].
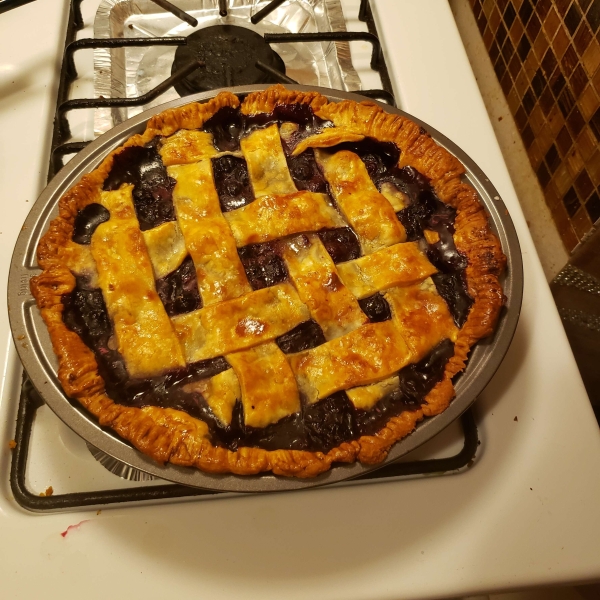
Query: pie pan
[35,349]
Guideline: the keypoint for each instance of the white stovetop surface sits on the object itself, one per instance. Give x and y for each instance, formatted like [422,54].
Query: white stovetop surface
[528,513]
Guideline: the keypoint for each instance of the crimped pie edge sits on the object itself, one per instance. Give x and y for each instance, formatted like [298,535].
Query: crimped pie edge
[169,435]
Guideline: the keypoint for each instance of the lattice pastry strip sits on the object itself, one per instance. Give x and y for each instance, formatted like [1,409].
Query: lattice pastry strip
[186,147]
[221,392]
[422,315]
[80,261]
[143,330]
[267,165]
[330,136]
[208,238]
[166,247]
[261,378]
[369,213]
[273,217]
[367,396]
[400,264]
[315,277]
[268,386]
[363,356]
[241,323]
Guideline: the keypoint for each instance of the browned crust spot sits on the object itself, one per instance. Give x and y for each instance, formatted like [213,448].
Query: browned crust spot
[173,436]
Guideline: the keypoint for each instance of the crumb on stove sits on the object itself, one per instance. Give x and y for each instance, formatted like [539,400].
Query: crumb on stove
[20,337]
[515,419]
[49,491]
[12,444]
[98,512]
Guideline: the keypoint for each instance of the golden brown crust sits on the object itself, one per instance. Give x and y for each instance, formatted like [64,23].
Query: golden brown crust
[174,436]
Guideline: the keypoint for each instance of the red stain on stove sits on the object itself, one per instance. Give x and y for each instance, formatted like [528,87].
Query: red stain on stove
[73,527]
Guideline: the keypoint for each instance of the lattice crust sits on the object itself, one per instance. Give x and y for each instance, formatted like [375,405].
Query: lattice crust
[266,162]
[268,387]
[240,324]
[207,236]
[370,213]
[315,277]
[274,217]
[400,264]
[327,138]
[166,247]
[145,335]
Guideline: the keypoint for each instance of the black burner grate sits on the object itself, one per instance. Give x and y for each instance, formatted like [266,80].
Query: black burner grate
[30,401]
[204,69]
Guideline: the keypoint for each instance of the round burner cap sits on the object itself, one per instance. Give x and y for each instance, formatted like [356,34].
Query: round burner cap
[228,54]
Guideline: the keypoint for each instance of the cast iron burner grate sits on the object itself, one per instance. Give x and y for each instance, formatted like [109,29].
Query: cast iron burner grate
[227,55]
[151,494]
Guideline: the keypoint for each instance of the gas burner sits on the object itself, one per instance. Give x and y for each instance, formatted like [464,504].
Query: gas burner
[228,54]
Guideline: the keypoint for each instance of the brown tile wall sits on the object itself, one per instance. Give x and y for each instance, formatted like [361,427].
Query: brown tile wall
[546,54]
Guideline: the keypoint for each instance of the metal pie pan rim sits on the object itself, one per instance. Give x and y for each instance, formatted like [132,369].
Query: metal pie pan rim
[37,354]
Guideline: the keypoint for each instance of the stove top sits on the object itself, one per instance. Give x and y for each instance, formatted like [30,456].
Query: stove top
[526,513]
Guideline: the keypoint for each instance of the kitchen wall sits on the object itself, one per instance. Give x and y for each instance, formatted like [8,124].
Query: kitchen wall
[546,55]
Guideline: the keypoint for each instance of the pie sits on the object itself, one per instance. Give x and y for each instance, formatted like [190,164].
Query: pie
[273,282]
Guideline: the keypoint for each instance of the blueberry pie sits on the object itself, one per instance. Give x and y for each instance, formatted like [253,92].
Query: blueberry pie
[269,283]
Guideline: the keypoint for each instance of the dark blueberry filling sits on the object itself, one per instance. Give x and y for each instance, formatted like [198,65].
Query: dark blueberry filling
[318,427]
[263,266]
[289,432]
[329,422]
[167,390]
[229,125]
[153,188]
[226,127]
[376,308]
[305,172]
[452,287]
[416,381]
[179,289]
[303,337]
[86,222]
[301,114]
[379,157]
[232,182]
[341,244]
[426,211]
[84,312]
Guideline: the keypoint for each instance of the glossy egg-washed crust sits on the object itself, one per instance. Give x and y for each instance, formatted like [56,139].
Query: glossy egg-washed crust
[169,435]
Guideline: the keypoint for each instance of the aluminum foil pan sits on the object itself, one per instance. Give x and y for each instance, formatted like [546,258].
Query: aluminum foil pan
[133,71]
[35,349]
